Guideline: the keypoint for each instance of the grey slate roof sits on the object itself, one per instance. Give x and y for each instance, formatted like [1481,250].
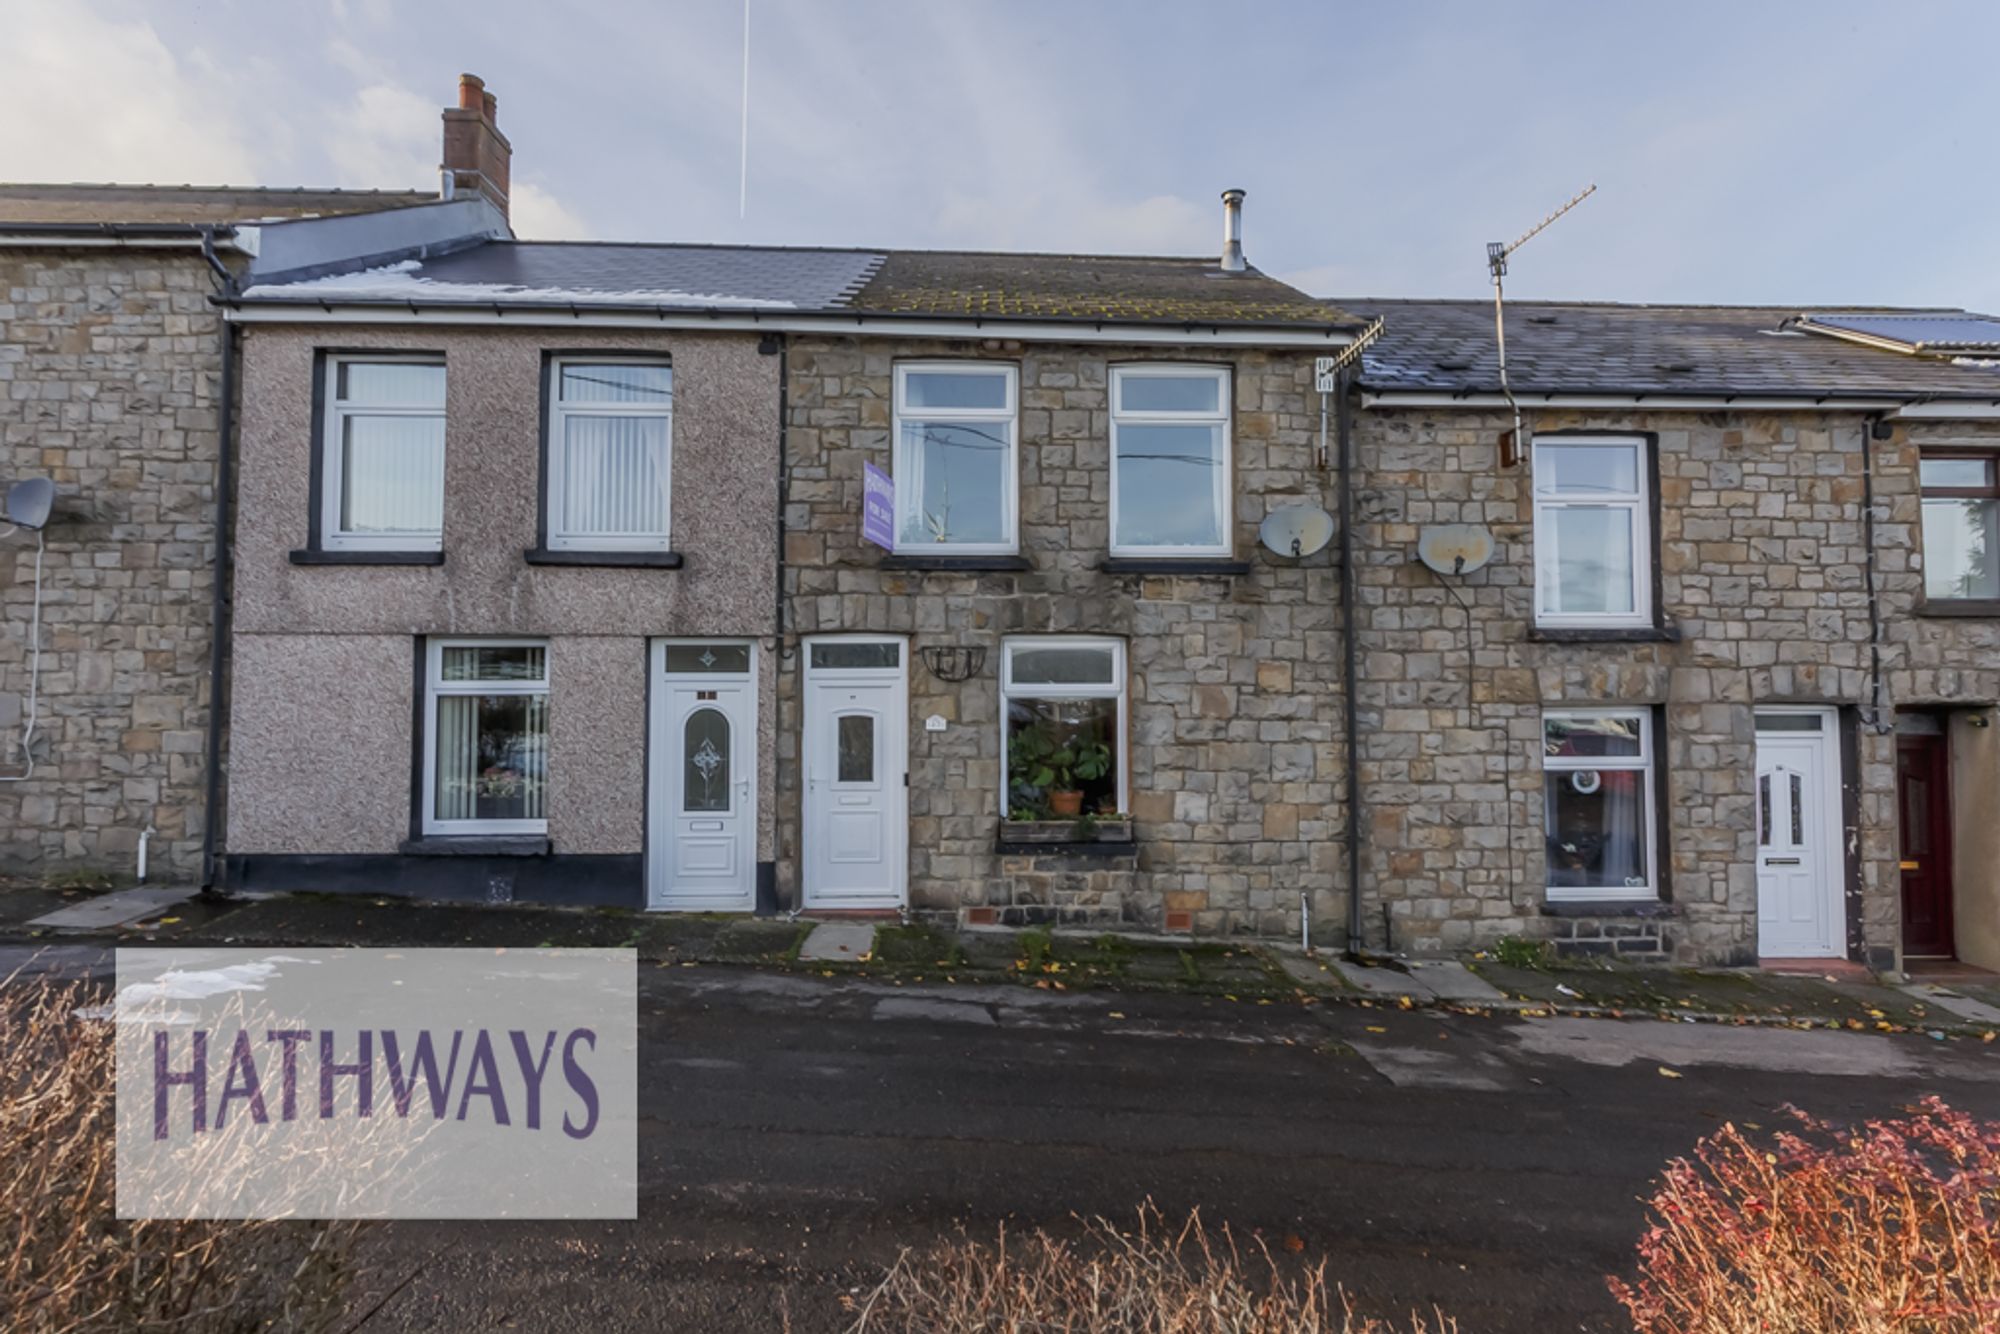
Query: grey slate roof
[887,283]
[1667,351]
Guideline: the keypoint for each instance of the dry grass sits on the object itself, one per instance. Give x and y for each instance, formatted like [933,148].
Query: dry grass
[66,1262]
[1152,1279]
[1892,1228]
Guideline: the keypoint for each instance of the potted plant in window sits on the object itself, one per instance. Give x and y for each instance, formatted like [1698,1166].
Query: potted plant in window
[1080,760]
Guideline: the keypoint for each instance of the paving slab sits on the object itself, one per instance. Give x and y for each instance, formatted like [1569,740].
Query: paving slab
[1388,982]
[1448,980]
[838,942]
[116,909]
[1945,998]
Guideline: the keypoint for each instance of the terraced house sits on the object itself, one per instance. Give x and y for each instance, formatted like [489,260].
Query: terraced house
[528,607]
[1726,690]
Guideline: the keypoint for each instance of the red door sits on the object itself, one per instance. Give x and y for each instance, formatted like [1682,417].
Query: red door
[1923,800]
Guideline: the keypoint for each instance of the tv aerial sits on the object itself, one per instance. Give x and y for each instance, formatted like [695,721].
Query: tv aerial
[1515,441]
[1296,530]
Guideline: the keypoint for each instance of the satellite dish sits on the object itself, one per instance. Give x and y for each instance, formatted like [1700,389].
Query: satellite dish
[1296,530]
[1455,548]
[29,502]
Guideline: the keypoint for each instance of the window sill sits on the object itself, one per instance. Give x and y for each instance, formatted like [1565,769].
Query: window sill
[476,845]
[305,557]
[1111,838]
[1608,908]
[1636,634]
[967,564]
[632,560]
[1966,608]
[1186,565]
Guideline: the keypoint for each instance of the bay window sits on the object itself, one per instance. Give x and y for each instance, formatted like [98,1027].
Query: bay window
[1063,726]
[1597,783]
[1593,542]
[609,452]
[956,433]
[1961,527]
[486,737]
[382,480]
[1170,466]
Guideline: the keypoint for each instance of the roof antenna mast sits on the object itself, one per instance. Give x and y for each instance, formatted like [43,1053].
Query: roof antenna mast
[1515,443]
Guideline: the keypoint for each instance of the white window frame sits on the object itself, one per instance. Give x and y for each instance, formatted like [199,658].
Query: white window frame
[332,455]
[435,686]
[553,475]
[1117,689]
[1225,484]
[1637,503]
[908,479]
[1643,764]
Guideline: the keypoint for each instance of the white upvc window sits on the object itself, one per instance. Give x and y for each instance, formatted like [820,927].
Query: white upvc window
[382,449]
[1598,804]
[1170,465]
[609,454]
[486,736]
[1593,539]
[956,472]
[1062,726]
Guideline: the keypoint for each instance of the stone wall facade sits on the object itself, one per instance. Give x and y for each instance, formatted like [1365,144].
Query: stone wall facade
[109,375]
[1232,684]
[1764,585]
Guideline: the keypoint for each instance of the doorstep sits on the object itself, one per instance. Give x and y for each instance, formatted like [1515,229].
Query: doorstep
[1840,970]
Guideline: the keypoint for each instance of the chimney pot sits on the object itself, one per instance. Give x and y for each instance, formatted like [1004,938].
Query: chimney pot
[487,104]
[471,89]
[1232,232]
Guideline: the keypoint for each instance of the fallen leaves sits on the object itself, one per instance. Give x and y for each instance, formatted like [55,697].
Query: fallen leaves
[1668,1073]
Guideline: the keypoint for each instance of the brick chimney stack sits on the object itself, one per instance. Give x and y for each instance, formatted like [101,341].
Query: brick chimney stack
[476,154]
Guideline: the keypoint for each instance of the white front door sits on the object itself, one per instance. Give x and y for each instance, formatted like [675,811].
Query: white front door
[702,840]
[1799,863]
[857,773]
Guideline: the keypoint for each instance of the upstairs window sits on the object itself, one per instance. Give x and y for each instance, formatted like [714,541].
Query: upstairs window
[1170,469]
[1961,527]
[955,469]
[1593,545]
[1063,698]
[609,455]
[1597,782]
[382,486]
[486,743]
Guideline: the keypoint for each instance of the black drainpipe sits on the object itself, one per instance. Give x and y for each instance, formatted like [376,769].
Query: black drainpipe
[218,649]
[767,880]
[1350,718]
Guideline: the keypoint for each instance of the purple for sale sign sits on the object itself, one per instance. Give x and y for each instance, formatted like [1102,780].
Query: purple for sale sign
[878,507]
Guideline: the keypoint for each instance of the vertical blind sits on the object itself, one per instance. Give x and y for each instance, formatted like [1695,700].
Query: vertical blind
[611,452]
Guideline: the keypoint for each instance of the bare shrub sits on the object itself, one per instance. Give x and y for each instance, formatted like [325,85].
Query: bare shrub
[67,1263]
[1151,1279]
[1891,1228]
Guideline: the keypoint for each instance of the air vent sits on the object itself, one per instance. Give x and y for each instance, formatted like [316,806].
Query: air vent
[1675,368]
[1541,319]
[1454,364]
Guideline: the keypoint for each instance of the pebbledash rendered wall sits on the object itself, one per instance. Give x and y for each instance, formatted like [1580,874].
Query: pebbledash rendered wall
[109,374]
[1763,581]
[325,680]
[1232,681]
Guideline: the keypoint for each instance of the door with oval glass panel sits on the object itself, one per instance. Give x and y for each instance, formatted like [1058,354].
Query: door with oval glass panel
[1800,870]
[702,843]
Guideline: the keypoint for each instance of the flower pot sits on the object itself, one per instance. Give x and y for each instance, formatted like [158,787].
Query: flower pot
[1065,803]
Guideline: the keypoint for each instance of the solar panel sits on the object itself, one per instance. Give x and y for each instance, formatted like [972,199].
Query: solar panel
[1919,333]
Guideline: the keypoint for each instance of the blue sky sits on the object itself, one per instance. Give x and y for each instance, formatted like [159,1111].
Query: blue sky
[1775,151]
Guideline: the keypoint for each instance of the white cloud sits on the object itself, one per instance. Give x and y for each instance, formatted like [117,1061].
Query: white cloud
[90,99]
[389,139]
[538,215]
